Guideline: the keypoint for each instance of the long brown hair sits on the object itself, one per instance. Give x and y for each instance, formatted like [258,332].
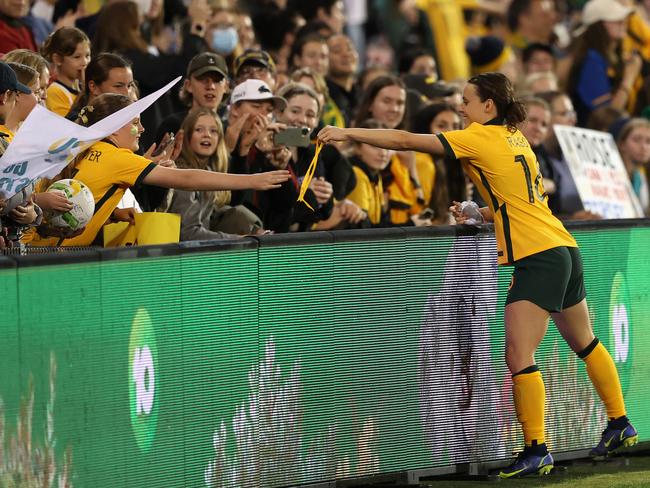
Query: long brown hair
[102,106]
[118,29]
[63,41]
[498,88]
[98,71]
[216,162]
[594,37]
[369,95]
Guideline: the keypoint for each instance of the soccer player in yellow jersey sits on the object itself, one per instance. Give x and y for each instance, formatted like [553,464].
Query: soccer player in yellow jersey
[548,274]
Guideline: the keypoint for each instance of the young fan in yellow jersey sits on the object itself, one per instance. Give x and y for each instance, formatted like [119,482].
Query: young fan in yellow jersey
[110,166]
[548,275]
[68,49]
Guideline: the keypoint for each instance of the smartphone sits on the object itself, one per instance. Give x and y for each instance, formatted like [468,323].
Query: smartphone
[164,144]
[293,136]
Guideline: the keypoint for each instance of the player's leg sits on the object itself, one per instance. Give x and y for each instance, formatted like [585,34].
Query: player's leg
[526,325]
[532,294]
[574,324]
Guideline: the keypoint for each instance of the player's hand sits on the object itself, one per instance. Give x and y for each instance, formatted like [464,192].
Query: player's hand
[53,200]
[457,213]
[330,134]
[269,180]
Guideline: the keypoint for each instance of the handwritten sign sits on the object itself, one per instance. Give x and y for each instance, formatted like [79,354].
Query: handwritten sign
[46,142]
[598,172]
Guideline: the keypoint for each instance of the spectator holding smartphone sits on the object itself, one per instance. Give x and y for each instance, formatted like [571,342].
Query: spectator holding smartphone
[279,208]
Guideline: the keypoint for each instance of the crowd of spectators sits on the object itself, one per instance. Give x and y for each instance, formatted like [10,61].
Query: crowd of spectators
[253,68]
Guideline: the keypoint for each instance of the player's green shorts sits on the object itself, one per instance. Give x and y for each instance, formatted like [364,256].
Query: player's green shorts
[551,279]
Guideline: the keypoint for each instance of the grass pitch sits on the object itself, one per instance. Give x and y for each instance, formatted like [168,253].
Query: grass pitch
[626,472]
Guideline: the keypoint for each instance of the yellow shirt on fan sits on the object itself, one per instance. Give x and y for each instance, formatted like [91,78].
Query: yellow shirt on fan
[505,171]
[60,98]
[107,171]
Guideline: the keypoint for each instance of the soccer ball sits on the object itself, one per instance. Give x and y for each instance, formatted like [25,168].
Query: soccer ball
[83,205]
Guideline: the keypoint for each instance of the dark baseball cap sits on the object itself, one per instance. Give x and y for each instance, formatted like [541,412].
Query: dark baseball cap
[205,63]
[428,86]
[254,56]
[8,80]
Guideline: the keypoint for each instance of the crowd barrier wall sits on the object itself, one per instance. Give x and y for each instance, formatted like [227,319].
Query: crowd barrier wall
[293,359]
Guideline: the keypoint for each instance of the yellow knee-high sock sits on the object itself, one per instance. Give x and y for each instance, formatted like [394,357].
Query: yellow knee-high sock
[602,372]
[529,396]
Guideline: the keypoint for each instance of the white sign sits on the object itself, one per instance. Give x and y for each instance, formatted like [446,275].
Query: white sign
[599,172]
[47,142]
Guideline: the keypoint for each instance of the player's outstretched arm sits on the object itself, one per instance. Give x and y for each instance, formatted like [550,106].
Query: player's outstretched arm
[398,140]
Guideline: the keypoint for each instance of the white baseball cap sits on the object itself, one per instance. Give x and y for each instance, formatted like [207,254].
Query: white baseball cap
[604,10]
[256,90]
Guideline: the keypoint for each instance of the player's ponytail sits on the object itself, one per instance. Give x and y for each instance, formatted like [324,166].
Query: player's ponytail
[497,86]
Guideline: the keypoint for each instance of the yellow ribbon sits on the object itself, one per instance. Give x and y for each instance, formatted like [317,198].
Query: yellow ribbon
[309,175]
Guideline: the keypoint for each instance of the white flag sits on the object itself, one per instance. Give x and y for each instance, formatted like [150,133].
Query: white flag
[47,142]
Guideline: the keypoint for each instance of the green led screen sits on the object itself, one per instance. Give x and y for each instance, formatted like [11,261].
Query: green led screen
[286,364]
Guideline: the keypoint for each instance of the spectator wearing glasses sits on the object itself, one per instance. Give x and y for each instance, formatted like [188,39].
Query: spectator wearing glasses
[256,64]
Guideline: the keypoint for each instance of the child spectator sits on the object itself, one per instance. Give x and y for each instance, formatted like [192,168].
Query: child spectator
[634,146]
[69,50]
[207,214]
[368,164]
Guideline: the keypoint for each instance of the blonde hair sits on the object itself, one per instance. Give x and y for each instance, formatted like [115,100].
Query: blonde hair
[217,162]
[28,58]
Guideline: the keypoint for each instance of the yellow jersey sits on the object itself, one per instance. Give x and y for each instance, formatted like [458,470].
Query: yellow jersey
[505,171]
[368,193]
[426,169]
[60,98]
[9,133]
[107,171]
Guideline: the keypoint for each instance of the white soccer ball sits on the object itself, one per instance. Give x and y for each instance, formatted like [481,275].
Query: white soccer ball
[83,205]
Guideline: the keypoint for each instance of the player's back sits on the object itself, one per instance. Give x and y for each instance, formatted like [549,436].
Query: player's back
[504,169]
